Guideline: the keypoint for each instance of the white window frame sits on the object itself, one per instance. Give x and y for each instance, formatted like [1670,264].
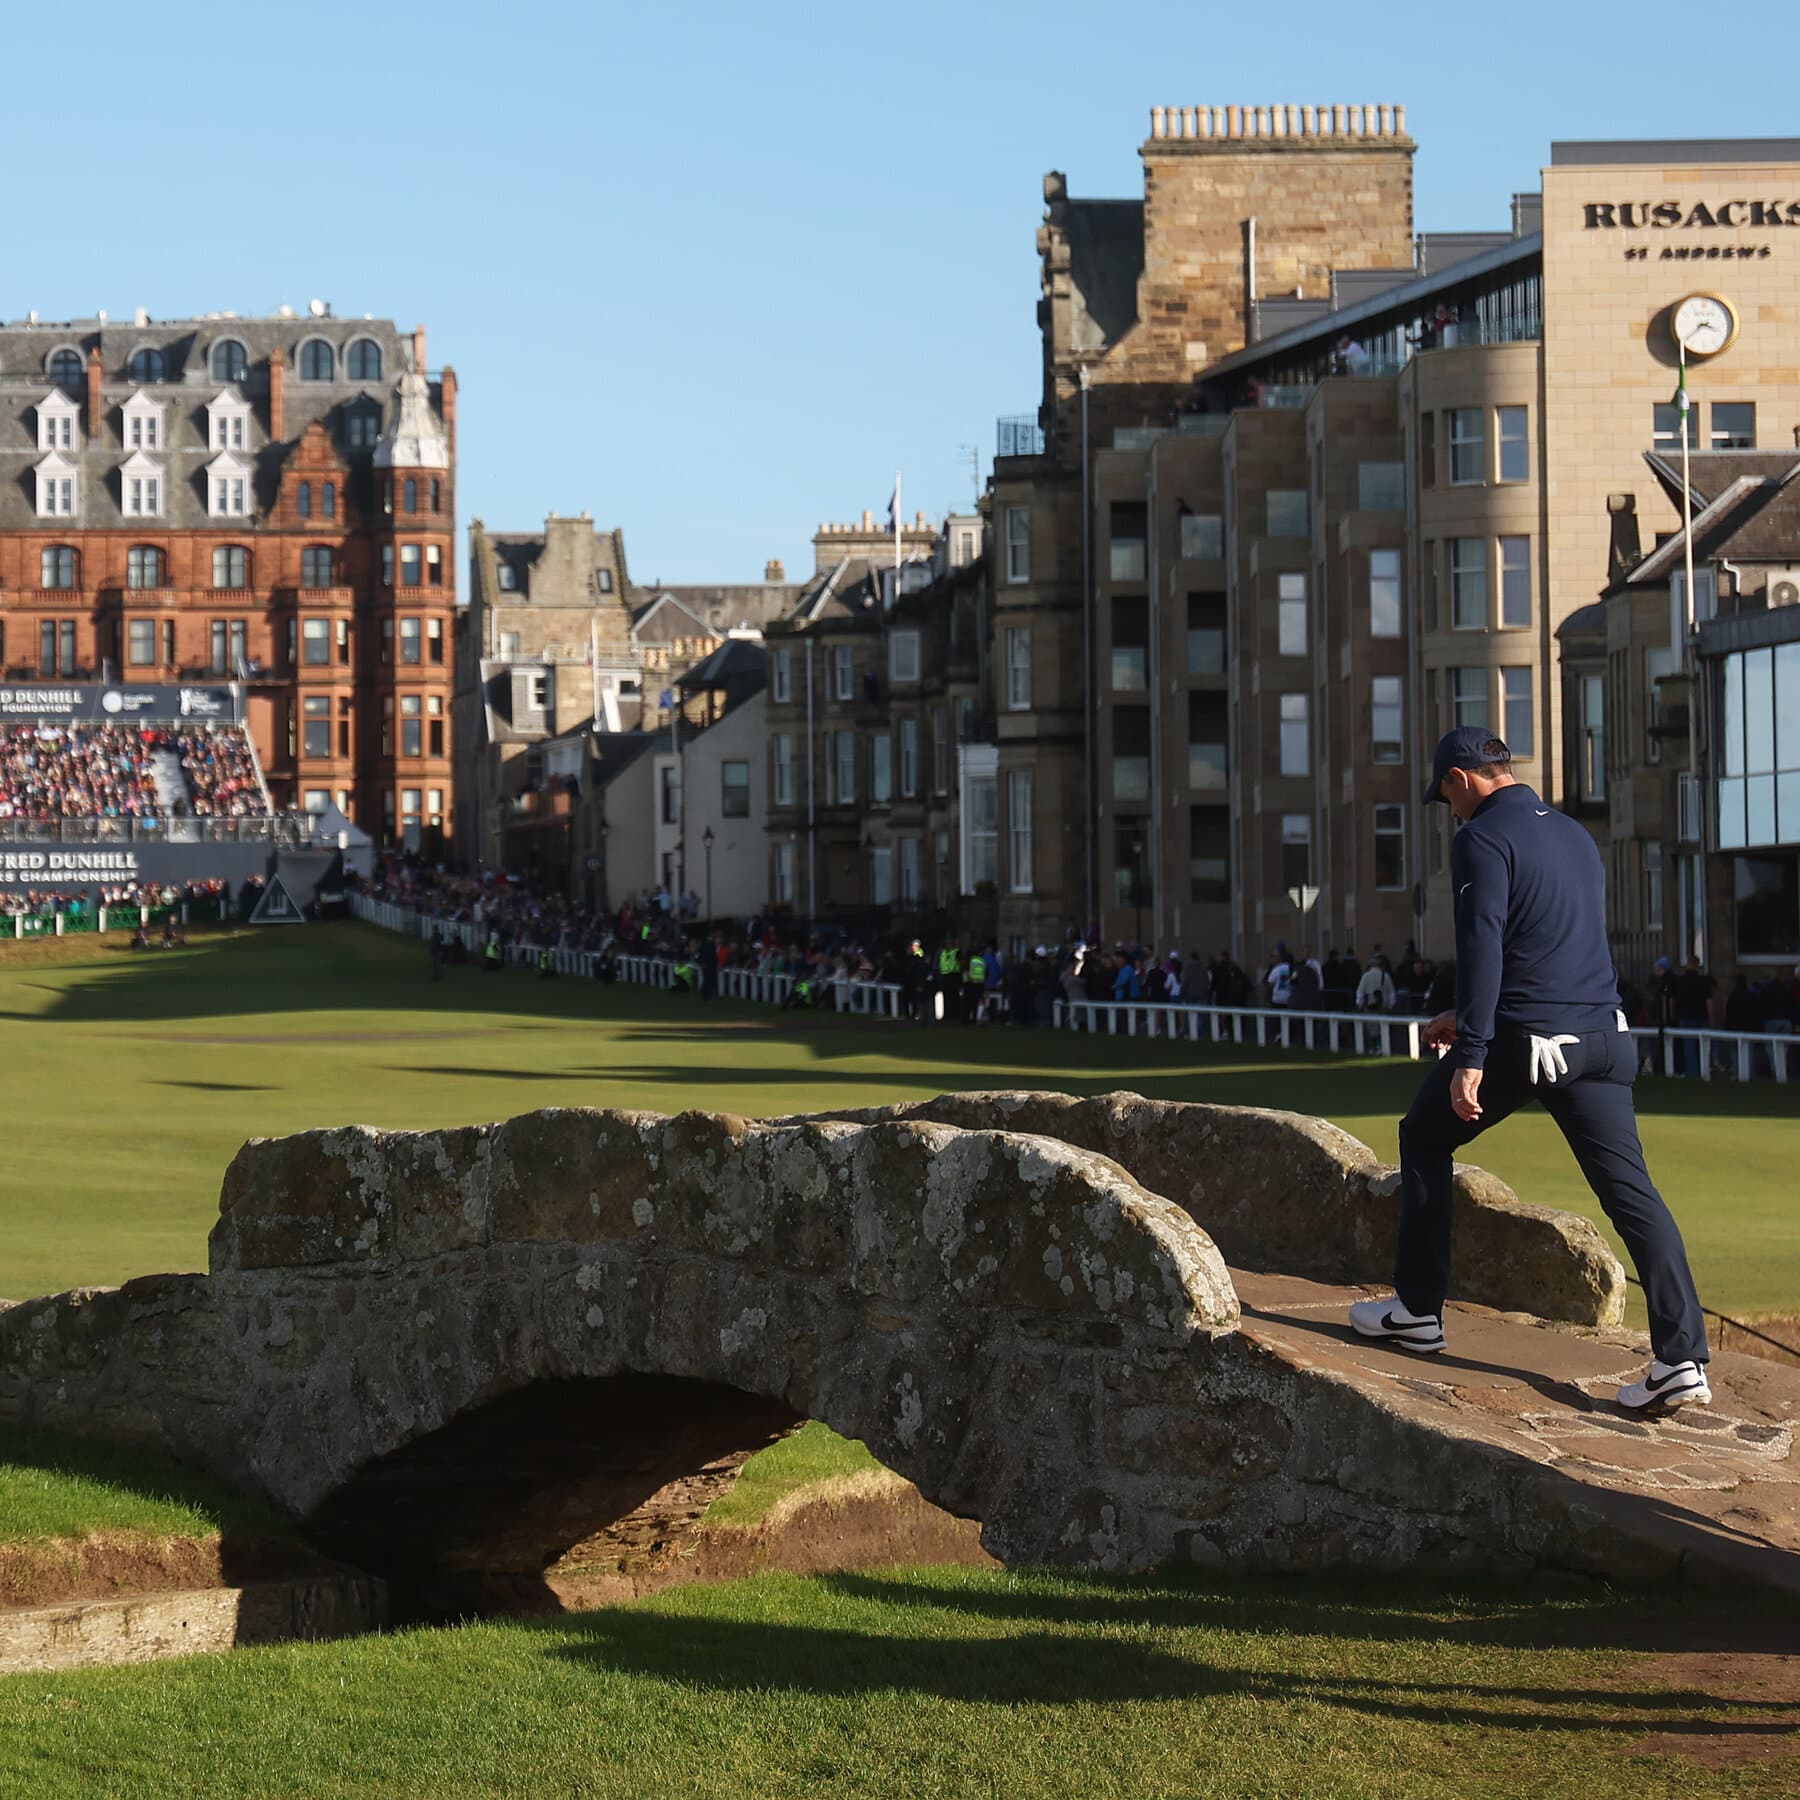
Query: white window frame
[909,758]
[844,765]
[1020,844]
[227,487]
[58,487]
[141,422]
[1018,545]
[843,672]
[56,416]
[140,487]
[881,769]
[903,657]
[783,783]
[784,874]
[1018,668]
[781,682]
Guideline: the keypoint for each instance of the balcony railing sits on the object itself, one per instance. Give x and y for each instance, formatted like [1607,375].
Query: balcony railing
[1020,435]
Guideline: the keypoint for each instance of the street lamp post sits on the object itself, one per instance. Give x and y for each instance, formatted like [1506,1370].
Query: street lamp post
[706,843]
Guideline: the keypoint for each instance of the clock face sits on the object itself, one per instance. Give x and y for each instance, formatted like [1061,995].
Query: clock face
[1703,324]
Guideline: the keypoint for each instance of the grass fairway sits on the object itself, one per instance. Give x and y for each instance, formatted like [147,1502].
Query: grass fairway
[947,1684]
[133,1080]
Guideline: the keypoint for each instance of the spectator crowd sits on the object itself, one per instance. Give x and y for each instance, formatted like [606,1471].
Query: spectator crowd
[221,773]
[52,772]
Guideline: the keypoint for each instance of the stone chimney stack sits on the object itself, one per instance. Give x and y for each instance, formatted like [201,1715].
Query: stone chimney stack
[774,570]
[96,398]
[447,408]
[418,348]
[277,403]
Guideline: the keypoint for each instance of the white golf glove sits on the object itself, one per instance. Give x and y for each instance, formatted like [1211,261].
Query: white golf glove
[1547,1060]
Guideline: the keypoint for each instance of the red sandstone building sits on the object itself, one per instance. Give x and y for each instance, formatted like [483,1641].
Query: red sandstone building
[263,501]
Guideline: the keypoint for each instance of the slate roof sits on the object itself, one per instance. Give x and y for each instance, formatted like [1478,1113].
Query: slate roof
[188,385]
[1749,511]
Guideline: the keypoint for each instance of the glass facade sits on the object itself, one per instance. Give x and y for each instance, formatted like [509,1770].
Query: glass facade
[1758,786]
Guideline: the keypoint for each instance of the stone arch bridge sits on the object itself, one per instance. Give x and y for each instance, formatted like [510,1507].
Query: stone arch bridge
[470,1349]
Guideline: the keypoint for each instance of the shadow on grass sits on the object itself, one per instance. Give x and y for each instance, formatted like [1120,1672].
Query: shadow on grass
[1535,1612]
[1059,1666]
[135,1472]
[355,968]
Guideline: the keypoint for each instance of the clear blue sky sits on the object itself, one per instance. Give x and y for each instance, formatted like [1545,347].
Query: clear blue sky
[713,271]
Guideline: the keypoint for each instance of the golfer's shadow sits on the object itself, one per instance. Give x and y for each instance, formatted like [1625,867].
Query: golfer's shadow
[1550,1387]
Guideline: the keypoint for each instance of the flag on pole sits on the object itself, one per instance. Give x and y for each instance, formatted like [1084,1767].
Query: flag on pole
[894,509]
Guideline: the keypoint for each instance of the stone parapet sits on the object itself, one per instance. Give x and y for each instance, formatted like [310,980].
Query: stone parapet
[1283,1192]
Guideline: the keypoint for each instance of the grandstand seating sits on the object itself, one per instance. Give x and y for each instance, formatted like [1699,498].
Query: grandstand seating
[52,772]
[221,773]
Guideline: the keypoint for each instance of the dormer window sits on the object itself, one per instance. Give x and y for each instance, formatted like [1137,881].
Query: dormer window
[140,487]
[230,360]
[57,491]
[318,361]
[228,421]
[141,422]
[56,421]
[145,365]
[509,578]
[362,427]
[228,494]
[362,361]
[66,369]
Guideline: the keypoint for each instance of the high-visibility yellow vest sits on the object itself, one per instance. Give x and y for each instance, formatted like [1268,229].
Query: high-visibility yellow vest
[978,968]
[946,962]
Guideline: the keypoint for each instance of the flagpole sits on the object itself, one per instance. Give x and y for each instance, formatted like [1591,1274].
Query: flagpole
[896,534]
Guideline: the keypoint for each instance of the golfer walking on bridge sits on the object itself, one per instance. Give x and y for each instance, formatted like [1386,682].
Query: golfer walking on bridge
[1537,1017]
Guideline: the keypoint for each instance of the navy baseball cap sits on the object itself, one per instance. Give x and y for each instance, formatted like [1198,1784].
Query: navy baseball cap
[1467,747]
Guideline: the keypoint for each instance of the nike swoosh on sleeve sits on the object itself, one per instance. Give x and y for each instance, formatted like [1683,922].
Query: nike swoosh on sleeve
[1543,812]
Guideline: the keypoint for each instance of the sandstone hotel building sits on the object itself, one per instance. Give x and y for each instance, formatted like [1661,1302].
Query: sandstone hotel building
[1305,487]
[265,501]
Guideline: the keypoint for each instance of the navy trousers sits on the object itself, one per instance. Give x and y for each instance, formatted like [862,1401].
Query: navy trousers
[1592,1107]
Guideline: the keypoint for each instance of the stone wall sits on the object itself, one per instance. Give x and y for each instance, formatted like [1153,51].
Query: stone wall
[1282,1191]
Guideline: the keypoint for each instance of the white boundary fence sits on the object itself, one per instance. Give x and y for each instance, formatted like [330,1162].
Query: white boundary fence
[1277,1027]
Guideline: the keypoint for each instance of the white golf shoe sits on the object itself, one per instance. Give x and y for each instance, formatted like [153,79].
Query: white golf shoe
[1422,1333]
[1668,1384]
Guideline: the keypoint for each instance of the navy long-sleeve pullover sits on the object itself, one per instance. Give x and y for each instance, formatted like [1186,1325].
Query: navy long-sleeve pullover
[1531,949]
